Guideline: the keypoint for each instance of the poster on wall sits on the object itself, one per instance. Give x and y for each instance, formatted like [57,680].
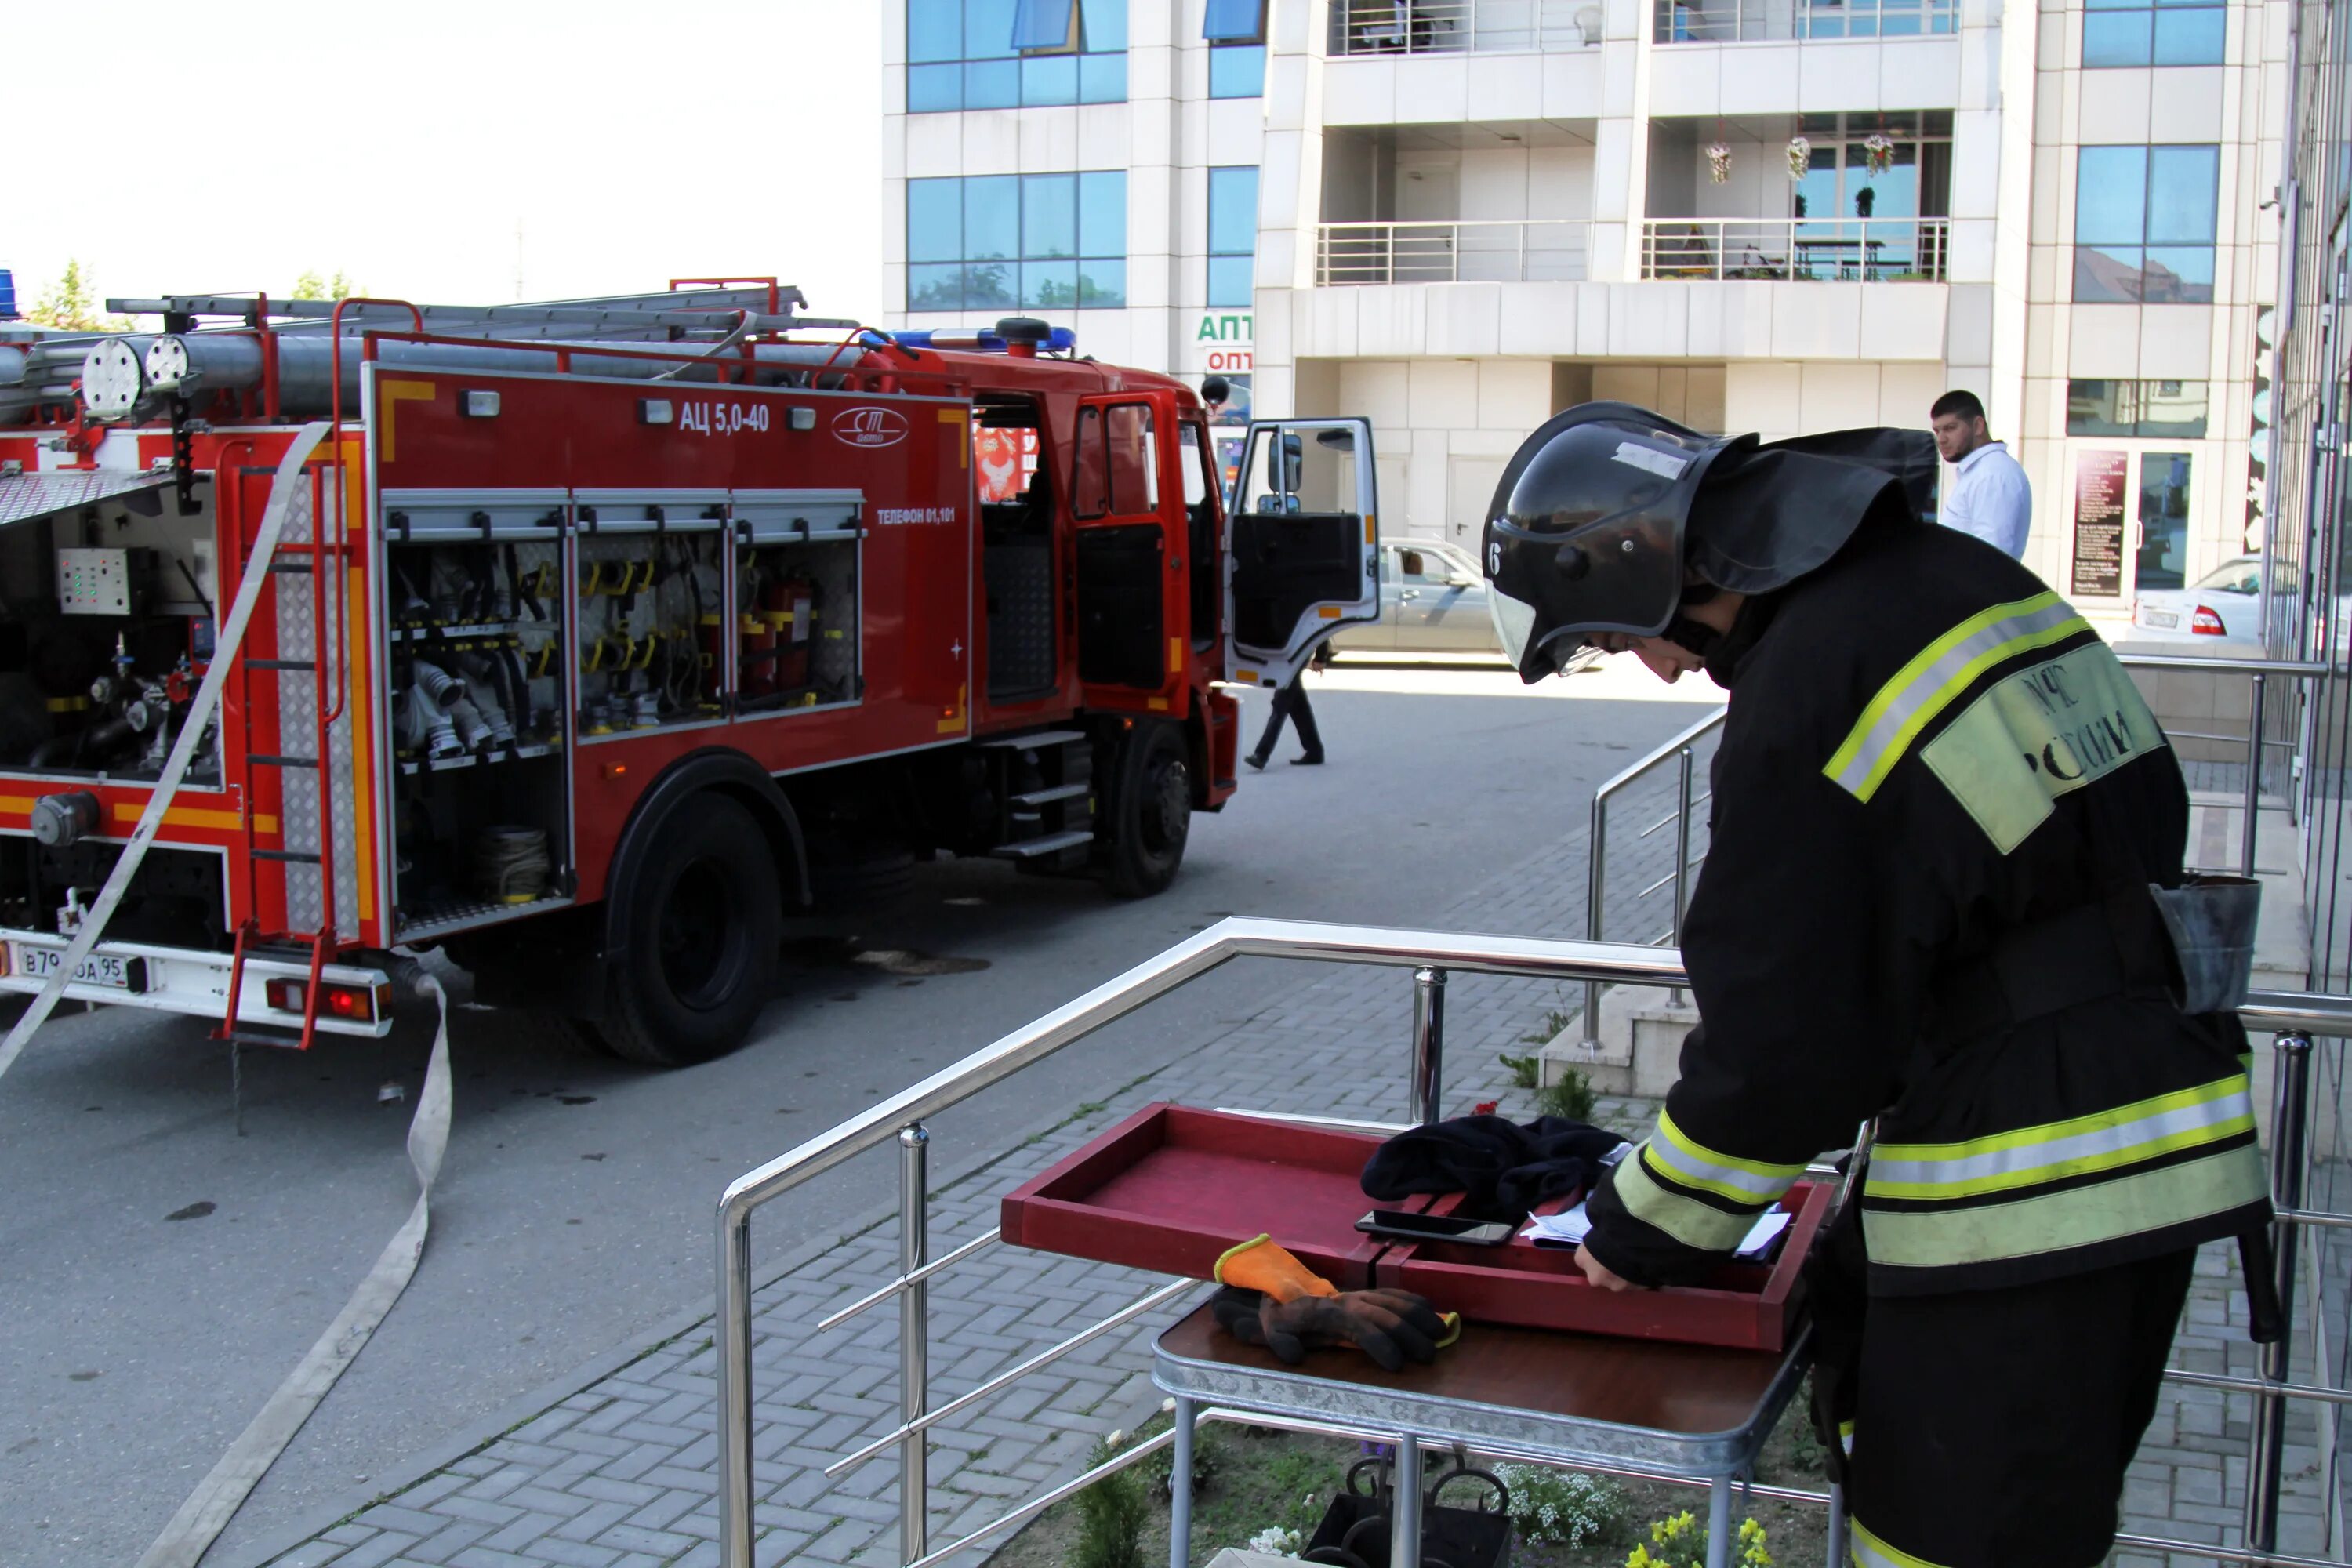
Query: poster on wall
[1005,460]
[2099,522]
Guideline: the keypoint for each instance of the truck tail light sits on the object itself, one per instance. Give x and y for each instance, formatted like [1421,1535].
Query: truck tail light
[354,1004]
[2205,623]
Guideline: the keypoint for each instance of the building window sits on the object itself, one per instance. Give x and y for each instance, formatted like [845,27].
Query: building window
[1012,54]
[2131,32]
[1236,70]
[1233,234]
[2144,225]
[2159,410]
[1237,33]
[1002,242]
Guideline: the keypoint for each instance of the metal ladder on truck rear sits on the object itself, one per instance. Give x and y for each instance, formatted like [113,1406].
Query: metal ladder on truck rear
[312,757]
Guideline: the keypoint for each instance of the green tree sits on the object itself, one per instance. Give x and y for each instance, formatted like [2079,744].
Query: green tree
[311,285]
[68,306]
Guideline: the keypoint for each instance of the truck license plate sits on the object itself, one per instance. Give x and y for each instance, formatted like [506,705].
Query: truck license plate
[98,969]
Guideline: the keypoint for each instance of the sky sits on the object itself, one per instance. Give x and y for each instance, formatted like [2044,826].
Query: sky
[628,142]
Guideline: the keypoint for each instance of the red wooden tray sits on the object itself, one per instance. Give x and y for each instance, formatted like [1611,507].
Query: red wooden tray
[1752,1306]
[1171,1188]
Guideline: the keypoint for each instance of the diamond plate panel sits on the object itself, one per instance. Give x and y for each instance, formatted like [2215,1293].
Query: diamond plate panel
[298,623]
[27,496]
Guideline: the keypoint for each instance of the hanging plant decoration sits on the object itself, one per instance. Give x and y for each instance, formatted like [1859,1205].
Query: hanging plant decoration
[1719,162]
[1800,157]
[1878,153]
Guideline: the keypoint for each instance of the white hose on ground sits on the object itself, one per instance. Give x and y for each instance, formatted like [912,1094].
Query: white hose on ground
[217,1498]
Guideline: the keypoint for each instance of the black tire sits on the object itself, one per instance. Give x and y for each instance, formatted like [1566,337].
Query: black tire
[1152,812]
[702,938]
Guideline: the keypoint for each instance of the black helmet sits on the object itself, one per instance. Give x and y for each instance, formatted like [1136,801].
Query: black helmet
[1585,533]
[1605,513]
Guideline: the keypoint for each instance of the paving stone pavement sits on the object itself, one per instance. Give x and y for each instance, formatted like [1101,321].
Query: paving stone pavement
[621,1473]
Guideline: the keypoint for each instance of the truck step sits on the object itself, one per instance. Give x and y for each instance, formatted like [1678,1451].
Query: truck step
[1030,848]
[1039,739]
[1059,792]
[290,1040]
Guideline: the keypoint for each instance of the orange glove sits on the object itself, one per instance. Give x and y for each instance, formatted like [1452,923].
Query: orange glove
[1261,1264]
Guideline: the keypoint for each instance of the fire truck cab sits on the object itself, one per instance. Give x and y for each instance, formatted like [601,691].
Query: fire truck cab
[589,642]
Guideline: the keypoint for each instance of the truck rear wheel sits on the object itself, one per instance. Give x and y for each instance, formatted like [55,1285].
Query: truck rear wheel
[1153,812]
[702,938]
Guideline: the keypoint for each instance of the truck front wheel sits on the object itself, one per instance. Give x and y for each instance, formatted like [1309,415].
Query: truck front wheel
[1152,811]
[703,937]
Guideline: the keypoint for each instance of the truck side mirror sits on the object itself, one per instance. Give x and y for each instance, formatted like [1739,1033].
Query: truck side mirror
[1286,463]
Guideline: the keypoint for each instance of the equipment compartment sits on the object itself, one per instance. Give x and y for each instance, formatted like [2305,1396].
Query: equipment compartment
[650,600]
[98,666]
[475,612]
[795,628]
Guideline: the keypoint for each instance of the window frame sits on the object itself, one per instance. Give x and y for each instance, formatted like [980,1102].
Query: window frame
[1210,293]
[1088,66]
[2153,12]
[1085,270]
[2149,214]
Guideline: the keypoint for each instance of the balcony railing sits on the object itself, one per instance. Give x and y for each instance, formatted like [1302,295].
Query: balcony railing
[1535,251]
[1751,21]
[1451,27]
[1852,250]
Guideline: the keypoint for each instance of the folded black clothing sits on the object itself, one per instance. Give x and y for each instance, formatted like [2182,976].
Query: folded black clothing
[1505,1169]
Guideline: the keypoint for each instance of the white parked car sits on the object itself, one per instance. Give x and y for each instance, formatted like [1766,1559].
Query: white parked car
[2226,602]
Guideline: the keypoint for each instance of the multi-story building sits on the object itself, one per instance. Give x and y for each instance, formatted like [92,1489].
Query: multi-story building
[1459,217]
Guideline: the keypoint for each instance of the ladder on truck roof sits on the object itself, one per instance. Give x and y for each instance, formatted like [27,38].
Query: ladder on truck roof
[310,621]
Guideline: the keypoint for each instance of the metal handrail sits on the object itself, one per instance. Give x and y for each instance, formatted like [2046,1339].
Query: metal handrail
[1597,864]
[1854,249]
[901,1118]
[1452,250]
[1456,27]
[2296,1015]
[1749,21]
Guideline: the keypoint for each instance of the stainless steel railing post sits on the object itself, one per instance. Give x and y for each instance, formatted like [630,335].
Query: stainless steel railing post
[2253,776]
[1405,1504]
[1682,857]
[914,1340]
[1428,1045]
[1596,880]
[2266,1445]
[732,1343]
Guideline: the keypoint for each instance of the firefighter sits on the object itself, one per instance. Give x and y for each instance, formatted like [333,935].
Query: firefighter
[1945,890]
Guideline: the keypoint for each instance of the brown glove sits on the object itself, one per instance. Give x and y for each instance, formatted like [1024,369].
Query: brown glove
[1389,1326]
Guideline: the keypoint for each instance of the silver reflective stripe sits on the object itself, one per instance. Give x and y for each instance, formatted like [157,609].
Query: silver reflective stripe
[1694,1164]
[1942,670]
[2131,1133]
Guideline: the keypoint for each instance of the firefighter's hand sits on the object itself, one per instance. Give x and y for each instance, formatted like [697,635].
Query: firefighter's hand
[1598,1273]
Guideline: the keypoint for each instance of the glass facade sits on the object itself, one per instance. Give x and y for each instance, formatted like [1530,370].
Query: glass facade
[2163,410]
[1048,242]
[2144,225]
[2132,33]
[1015,54]
[1233,234]
[1236,70]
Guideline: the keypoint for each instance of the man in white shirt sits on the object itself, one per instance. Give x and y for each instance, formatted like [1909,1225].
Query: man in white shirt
[1989,495]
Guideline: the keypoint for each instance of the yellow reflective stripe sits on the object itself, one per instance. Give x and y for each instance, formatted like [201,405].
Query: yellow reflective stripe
[2061,1222]
[1935,677]
[1687,1220]
[1694,1164]
[1870,1551]
[2033,1155]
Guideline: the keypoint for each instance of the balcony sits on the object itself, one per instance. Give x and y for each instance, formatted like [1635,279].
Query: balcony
[1849,251]
[1535,251]
[1757,21]
[1457,26]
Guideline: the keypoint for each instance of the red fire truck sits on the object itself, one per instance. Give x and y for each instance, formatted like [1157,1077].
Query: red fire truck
[599,639]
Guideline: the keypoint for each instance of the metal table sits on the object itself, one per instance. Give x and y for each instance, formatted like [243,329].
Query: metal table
[1697,1412]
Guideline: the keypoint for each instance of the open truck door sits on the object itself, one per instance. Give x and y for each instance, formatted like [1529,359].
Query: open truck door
[1127,497]
[1305,543]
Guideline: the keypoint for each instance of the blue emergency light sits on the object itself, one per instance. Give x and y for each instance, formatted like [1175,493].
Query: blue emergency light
[1061,339]
[7,295]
